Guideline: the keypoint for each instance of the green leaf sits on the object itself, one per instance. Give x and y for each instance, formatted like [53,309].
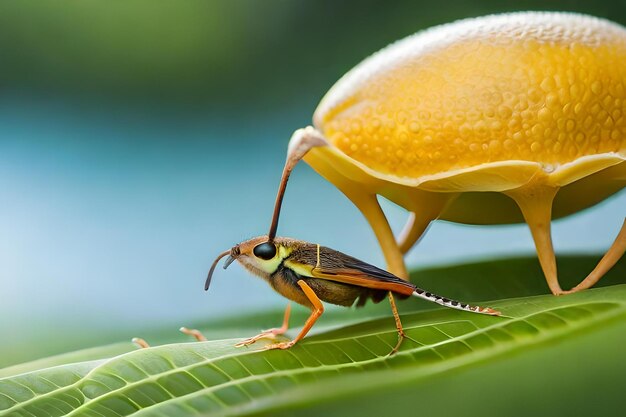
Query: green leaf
[580,335]
[91,354]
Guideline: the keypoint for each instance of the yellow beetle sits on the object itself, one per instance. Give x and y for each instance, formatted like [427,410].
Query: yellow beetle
[498,119]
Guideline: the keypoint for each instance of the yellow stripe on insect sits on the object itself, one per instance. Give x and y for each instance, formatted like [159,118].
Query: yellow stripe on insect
[317,265]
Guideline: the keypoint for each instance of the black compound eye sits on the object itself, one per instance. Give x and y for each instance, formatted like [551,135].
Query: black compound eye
[265,251]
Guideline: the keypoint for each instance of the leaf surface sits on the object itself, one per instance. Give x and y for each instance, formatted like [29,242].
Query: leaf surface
[340,364]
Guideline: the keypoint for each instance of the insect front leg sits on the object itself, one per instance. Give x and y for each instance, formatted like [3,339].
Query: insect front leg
[318,310]
[270,333]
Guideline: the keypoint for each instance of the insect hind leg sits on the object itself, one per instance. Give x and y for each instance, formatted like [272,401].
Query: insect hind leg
[401,334]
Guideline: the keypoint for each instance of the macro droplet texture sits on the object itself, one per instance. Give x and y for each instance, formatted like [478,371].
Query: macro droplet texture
[539,87]
[498,119]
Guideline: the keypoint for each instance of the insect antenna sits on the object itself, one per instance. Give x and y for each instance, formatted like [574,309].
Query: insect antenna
[208,278]
[279,198]
[299,144]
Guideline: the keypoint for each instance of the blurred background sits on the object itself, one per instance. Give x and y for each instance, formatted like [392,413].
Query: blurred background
[140,138]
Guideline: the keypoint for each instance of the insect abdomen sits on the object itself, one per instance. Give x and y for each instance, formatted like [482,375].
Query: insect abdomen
[453,303]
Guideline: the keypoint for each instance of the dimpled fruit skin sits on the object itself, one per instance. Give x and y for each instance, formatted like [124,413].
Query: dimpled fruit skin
[541,87]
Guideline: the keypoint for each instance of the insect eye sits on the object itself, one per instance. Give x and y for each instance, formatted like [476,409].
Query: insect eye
[265,251]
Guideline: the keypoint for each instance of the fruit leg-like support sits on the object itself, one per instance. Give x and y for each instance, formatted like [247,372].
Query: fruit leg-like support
[413,230]
[318,309]
[271,333]
[426,207]
[396,317]
[609,259]
[535,202]
[369,206]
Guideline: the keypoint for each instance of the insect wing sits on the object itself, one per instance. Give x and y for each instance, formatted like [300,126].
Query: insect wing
[336,266]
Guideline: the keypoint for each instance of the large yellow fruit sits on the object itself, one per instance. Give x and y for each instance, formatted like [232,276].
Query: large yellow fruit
[475,120]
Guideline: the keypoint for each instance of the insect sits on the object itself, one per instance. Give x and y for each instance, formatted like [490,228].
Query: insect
[308,274]
[500,119]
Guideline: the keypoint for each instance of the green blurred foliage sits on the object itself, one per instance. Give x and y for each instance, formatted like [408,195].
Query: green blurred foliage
[219,52]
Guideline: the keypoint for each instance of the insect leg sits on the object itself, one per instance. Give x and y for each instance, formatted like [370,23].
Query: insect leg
[609,259]
[396,317]
[318,309]
[197,334]
[271,333]
[141,343]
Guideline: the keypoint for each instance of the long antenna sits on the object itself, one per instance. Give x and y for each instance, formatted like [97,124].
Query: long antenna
[300,143]
[289,165]
[210,274]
